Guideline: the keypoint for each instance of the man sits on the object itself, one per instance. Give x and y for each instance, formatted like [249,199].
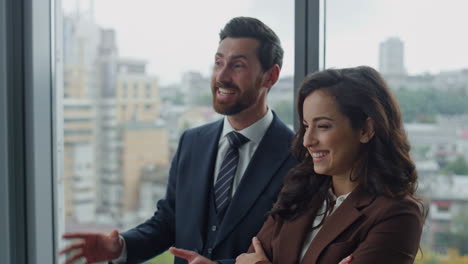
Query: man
[221,183]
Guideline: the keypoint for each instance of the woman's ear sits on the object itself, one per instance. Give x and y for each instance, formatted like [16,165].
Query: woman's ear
[367,131]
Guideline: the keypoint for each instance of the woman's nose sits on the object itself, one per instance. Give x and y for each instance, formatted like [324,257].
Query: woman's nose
[309,139]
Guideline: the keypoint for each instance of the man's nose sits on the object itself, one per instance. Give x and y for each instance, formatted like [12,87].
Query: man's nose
[223,75]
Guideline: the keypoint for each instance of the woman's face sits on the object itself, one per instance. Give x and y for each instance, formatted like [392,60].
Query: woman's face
[332,143]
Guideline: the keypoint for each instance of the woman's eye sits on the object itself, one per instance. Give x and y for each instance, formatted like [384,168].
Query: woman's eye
[323,126]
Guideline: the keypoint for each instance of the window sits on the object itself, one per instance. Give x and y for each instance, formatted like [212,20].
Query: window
[417,46]
[154,69]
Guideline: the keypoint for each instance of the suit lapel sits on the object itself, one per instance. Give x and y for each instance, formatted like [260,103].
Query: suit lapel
[338,222]
[268,157]
[202,167]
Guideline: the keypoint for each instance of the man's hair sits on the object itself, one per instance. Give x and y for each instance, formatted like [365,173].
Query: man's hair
[269,50]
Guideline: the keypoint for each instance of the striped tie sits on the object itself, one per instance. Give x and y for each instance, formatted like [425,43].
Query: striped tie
[223,186]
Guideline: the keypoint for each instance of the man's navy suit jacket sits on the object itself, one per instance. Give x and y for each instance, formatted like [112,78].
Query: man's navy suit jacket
[181,215]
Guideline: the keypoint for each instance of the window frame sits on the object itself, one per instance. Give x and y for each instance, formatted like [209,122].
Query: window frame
[31,120]
[26,131]
[309,46]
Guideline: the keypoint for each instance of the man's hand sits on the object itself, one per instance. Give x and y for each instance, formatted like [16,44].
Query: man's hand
[190,256]
[346,260]
[252,258]
[94,247]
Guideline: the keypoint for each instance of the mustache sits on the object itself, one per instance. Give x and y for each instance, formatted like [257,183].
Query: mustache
[226,85]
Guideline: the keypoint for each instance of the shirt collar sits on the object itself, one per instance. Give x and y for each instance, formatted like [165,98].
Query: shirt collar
[340,198]
[255,131]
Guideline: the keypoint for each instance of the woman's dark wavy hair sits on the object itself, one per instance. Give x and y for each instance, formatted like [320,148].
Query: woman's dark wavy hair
[384,166]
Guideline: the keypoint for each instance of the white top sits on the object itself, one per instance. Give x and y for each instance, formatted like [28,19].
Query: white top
[254,133]
[320,215]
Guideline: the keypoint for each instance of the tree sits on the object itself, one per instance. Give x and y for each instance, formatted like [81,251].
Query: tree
[423,105]
[458,166]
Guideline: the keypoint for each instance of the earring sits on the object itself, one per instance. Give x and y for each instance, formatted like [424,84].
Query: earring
[364,140]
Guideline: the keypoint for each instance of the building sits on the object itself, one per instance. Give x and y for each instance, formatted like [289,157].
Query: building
[448,203]
[391,57]
[112,128]
[195,89]
[143,144]
[79,166]
[79,111]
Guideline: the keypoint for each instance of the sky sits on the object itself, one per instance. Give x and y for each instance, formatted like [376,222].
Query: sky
[434,32]
[179,36]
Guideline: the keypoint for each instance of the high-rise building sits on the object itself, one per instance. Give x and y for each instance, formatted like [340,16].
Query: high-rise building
[112,129]
[107,146]
[391,57]
[79,166]
[81,37]
[144,139]
[137,94]
[143,144]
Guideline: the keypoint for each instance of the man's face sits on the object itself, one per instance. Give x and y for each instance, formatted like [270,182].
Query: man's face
[237,76]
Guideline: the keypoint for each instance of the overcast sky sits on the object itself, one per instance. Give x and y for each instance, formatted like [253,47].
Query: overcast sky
[434,32]
[179,36]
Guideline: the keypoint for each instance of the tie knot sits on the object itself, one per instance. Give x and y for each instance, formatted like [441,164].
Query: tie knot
[236,139]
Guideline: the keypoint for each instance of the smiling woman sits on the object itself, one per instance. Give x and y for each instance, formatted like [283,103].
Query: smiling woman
[353,193]
[331,141]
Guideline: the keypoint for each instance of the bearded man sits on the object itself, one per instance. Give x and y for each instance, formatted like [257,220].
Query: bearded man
[225,175]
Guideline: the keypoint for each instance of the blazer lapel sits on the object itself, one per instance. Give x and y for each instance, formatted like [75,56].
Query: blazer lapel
[268,157]
[338,222]
[202,167]
[290,245]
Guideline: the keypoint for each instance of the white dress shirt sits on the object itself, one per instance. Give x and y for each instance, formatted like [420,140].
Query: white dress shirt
[254,133]
[320,215]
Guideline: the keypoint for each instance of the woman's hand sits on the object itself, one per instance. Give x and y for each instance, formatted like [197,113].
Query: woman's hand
[190,256]
[258,257]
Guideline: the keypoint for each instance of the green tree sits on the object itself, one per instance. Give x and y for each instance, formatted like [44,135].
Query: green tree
[458,166]
[423,105]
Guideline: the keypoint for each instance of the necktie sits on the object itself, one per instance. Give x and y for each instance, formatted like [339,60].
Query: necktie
[223,186]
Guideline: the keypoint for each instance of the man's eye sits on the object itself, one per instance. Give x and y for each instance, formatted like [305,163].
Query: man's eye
[237,65]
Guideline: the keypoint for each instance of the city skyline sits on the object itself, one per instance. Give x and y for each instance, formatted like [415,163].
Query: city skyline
[120,130]
[351,38]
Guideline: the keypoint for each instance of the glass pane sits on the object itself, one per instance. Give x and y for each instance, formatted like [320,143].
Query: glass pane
[136,75]
[420,49]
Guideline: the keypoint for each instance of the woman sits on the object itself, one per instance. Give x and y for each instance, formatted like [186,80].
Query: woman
[353,193]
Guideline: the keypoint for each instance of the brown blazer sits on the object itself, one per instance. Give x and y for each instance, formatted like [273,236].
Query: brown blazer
[374,229]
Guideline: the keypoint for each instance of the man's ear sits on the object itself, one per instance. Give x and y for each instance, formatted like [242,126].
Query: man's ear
[367,131]
[270,77]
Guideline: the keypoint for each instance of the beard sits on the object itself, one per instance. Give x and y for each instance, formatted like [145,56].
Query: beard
[245,99]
